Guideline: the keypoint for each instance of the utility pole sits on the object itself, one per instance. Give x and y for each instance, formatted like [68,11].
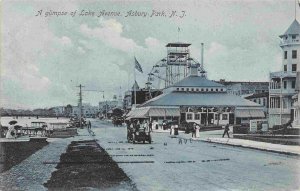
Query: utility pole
[80,104]
[281,99]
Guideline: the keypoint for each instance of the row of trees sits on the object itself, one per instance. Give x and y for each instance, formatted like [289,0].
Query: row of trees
[49,112]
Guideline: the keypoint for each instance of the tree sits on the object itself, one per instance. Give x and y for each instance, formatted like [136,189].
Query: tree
[68,110]
[117,112]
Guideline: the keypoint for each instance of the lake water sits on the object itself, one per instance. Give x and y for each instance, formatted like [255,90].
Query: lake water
[26,121]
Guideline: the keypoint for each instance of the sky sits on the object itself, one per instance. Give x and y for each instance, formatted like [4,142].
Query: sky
[45,56]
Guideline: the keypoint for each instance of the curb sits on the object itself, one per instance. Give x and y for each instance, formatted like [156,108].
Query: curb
[255,148]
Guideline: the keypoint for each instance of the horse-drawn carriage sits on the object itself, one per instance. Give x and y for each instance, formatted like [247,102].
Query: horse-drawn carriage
[75,122]
[37,127]
[117,121]
[136,133]
[281,129]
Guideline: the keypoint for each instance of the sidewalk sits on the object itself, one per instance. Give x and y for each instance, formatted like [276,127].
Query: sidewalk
[284,149]
[216,137]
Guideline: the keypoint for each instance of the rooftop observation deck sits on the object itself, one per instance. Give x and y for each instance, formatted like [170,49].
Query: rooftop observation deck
[276,89]
[289,42]
[178,44]
[282,74]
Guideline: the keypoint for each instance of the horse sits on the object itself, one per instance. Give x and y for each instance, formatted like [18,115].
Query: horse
[282,128]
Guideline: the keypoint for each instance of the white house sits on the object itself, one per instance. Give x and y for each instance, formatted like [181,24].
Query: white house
[283,83]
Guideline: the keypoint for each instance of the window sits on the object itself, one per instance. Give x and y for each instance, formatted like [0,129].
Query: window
[284,84]
[293,84]
[285,54]
[224,117]
[294,67]
[294,54]
[192,89]
[285,68]
[187,89]
[197,89]
[177,89]
[217,89]
[202,89]
[254,100]
[293,36]
[211,89]
[259,101]
[206,89]
[197,116]
[182,89]
[216,116]
[189,116]
[221,90]
[264,102]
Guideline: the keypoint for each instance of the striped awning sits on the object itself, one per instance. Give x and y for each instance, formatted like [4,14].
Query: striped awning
[158,112]
[138,113]
[145,112]
[249,113]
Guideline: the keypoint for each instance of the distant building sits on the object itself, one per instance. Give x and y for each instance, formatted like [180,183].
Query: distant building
[87,110]
[283,83]
[106,106]
[58,110]
[142,95]
[260,98]
[245,88]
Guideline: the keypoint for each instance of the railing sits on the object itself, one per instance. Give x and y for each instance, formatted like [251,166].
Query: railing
[283,91]
[279,110]
[289,41]
[274,85]
[177,51]
[282,74]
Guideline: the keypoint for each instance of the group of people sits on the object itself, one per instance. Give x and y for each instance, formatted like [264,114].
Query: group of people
[136,124]
[195,132]
[148,126]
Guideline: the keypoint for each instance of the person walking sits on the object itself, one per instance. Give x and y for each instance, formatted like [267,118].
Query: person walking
[150,126]
[226,131]
[194,130]
[90,125]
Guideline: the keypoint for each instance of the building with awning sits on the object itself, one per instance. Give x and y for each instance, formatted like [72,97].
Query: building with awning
[197,99]
[154,111]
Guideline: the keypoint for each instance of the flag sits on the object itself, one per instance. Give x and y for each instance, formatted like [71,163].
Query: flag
[138,66]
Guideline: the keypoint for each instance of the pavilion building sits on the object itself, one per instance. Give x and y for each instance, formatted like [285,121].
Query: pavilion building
[197,99]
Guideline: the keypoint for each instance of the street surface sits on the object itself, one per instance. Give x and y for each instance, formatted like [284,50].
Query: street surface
[167,165]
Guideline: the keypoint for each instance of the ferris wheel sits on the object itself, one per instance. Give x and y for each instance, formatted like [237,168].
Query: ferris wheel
[165,73]
[157,76]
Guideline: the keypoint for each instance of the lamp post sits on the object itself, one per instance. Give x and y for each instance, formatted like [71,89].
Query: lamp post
[281,101]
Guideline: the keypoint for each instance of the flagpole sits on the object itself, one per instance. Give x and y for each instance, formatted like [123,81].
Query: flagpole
[295,9]
[134,86]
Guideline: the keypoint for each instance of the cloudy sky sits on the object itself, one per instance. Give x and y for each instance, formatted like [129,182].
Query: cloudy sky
[45,57]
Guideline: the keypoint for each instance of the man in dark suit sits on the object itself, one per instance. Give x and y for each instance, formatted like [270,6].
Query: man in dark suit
[226,130]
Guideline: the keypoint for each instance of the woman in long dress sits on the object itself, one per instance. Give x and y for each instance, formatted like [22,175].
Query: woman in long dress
[11,132]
